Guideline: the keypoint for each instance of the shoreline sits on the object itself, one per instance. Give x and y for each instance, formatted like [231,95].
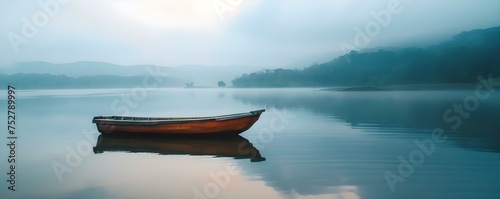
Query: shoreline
[411,87]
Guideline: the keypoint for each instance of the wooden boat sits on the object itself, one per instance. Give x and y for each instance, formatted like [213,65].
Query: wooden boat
[217,125]
[228,146]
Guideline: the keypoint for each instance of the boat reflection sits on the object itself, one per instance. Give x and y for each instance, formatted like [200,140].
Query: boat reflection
[229,146]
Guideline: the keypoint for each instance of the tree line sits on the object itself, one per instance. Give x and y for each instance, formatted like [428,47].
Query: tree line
[460,60]
[48,81]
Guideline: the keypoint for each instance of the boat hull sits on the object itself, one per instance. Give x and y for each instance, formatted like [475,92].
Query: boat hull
[217,125]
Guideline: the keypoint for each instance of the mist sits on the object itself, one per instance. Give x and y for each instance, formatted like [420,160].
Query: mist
[282,33]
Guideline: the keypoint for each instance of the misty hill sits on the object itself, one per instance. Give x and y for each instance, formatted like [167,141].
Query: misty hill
[459,60]
[78,69]
[47,81]
[201,75]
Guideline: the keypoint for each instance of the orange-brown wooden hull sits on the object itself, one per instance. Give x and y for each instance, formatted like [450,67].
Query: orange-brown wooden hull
[180,126]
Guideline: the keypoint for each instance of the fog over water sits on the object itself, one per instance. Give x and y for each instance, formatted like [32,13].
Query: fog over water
[383,99]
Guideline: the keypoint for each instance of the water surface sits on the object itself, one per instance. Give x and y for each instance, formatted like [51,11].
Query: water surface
[316,144]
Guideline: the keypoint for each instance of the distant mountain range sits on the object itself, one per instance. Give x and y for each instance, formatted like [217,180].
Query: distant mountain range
[200,75]
[47,81]
[460,60]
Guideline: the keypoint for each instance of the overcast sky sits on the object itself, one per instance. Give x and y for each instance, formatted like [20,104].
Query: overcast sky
[271,33]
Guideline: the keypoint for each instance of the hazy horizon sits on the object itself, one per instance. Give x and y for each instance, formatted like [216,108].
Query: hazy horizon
[219,33]
[276,99]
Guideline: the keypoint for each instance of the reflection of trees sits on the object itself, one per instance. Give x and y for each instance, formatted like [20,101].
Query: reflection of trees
[352,163]
[384,110]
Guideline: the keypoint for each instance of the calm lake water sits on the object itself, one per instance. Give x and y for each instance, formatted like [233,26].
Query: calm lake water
[316,144]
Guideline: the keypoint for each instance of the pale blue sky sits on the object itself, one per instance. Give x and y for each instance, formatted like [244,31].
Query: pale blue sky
[271,33]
